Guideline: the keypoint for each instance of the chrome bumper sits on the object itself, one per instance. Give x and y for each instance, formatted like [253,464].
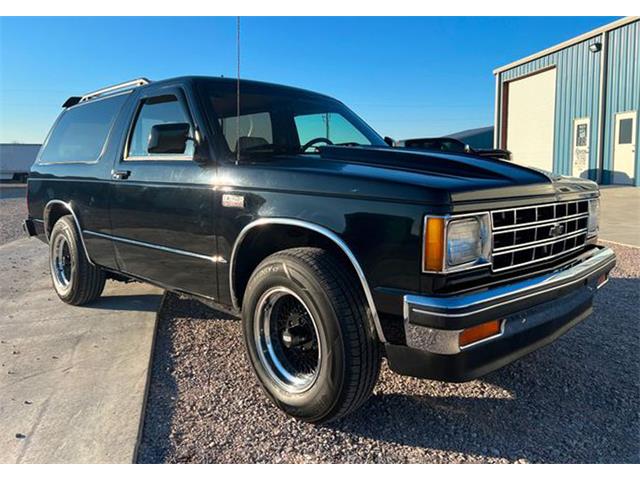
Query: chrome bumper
[433,324]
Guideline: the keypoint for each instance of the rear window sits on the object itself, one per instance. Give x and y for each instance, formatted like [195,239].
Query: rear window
[80,133]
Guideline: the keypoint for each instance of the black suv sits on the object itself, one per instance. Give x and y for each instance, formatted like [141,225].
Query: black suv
[336,250]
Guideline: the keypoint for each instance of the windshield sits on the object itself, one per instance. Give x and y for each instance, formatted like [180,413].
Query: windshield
[282,120]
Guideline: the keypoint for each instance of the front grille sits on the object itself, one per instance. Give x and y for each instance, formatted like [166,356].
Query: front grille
[527,235]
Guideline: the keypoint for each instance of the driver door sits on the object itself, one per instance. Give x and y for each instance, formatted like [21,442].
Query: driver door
[162,205]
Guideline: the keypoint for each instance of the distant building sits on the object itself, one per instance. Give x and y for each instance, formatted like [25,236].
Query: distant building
[573,108]
[16,159]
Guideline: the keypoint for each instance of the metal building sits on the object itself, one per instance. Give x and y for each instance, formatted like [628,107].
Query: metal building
[573,108]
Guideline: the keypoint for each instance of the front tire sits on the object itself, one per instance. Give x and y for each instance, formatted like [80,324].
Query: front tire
[309,335]
[75,279]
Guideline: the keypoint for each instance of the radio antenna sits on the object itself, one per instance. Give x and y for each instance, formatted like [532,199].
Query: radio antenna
[238,91]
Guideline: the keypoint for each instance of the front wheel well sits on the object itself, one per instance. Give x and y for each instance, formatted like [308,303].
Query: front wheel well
[265,240]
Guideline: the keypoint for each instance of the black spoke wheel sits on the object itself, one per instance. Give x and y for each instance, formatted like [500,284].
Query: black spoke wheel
[61,263]
[286,339]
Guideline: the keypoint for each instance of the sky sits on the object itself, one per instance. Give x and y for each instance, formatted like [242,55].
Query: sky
[406,77]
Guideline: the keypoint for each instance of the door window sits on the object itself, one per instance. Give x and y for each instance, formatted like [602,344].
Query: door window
[581,135]
[625,129]
[157,111]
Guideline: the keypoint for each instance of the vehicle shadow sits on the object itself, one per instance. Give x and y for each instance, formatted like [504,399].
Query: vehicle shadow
[575,400]
[147,302]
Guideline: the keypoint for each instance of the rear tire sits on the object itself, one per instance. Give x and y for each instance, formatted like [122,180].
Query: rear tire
[309,335]
[75,279]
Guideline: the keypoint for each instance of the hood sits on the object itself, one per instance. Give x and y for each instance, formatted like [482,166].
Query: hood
[467,178]
[437,164]
[465,182]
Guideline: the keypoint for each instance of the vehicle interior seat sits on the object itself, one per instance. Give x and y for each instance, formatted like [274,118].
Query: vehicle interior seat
[250,142]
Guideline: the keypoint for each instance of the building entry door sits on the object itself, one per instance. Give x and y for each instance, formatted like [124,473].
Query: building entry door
[624,147]
[581,143]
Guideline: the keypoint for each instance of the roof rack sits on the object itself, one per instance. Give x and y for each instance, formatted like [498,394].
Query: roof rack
[138,82]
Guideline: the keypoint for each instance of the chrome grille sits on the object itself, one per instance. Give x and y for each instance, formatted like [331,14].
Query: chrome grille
[526,235]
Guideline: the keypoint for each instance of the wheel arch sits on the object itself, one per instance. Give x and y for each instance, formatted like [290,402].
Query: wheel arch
[244,259]
[53,211]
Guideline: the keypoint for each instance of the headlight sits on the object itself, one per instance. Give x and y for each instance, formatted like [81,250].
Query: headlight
[453,244]
[464,242]
[594,217]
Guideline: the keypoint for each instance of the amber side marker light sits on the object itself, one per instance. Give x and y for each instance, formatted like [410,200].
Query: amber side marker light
[479,332]
[433,255]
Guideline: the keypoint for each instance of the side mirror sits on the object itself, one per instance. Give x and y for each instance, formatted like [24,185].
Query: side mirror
[467,148]
[390,141]
[168,138]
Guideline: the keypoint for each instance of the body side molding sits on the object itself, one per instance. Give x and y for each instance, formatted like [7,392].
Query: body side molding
[138,243]
[322,231]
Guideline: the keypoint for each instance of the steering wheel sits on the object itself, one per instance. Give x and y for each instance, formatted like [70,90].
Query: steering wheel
[313,141]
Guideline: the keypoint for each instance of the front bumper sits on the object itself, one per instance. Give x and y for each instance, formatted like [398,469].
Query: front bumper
[533,313]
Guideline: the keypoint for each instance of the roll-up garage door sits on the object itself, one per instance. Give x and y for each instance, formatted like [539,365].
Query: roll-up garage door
[530,119]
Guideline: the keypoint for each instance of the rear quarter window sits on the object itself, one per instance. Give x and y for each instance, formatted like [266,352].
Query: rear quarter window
[80,133]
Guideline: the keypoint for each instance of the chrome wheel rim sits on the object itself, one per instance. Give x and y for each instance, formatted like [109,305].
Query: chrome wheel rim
[61,263]
[287,340]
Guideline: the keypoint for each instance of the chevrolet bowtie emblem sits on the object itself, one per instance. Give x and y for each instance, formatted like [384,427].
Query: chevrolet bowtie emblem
[556,230]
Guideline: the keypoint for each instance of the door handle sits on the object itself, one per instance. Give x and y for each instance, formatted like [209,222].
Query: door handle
[120,174]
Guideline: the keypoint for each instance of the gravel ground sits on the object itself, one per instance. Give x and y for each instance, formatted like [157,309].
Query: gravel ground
[577,400]
[13,209]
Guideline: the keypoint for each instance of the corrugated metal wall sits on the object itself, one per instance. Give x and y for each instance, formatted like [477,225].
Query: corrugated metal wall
[623,88]
[577,94]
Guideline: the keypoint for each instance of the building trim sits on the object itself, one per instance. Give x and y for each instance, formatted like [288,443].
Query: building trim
[561,46]
[496,113]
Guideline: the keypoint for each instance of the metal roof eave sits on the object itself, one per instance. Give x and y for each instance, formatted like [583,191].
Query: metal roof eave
[560,46]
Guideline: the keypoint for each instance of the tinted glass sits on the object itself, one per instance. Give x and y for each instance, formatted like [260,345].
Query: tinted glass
[438,144]
[453,146]
[625,129]
[80,133]
[277,119]
[156,111]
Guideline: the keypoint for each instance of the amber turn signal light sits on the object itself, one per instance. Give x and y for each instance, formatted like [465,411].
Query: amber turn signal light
[479,332]
[433,254]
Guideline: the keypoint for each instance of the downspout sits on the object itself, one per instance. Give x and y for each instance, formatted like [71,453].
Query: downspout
[602,107]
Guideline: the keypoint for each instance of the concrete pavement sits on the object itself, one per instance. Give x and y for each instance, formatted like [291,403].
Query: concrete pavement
[620,214]
[72,379]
